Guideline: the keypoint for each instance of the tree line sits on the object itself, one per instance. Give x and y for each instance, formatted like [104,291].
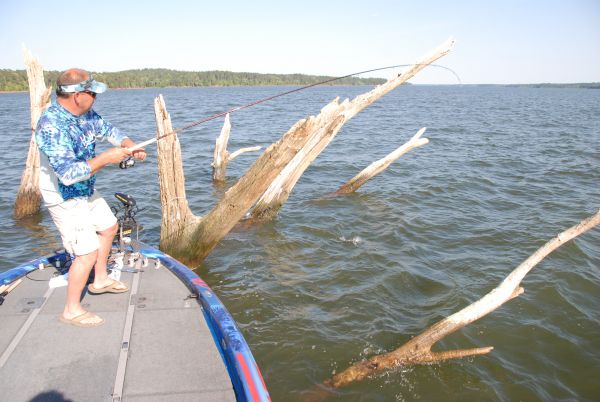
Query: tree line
[587,85]
[16,80]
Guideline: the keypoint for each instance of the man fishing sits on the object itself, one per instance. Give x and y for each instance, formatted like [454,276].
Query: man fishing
[66,135]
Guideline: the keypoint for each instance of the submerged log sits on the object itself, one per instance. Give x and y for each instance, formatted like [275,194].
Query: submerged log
[379,166]
[279,191]
[418,349]
[222,157]
[29,197]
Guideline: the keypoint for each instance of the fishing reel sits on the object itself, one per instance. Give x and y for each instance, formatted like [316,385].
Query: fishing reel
[126,164]
[126,218]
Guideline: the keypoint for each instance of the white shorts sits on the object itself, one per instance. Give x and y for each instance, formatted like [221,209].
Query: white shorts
[78,221]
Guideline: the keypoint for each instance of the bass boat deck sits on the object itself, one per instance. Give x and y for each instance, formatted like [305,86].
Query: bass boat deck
[168,338]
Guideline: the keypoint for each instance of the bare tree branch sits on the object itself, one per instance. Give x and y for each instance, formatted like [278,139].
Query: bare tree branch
[190,238]
[279,191]
[221,156]
[379,166]
[418,349]
[240,151]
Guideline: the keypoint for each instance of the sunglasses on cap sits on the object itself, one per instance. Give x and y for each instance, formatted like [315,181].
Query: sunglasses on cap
[90,86]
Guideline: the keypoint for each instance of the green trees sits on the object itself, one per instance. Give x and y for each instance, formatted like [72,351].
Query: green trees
[16,80]
[13,80]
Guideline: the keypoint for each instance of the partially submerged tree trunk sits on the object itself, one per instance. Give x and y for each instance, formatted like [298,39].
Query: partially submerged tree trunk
[418,349]
[221,156]
[29,197]
[176,214]
[379,166]
[279,191]
[190,238]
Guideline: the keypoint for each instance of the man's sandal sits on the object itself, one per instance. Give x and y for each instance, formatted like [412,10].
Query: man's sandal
[79,320]
[113,287]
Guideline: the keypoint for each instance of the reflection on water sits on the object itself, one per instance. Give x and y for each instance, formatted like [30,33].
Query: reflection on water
[44,238]
[333,280]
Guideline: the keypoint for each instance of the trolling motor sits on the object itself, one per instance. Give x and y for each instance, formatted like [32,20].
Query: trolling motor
[127,227]
[126,218]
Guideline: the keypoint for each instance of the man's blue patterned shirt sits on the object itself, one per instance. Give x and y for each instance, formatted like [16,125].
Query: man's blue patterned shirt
[67,142]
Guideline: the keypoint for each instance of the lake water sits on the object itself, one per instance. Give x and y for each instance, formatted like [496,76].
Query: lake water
[331,281]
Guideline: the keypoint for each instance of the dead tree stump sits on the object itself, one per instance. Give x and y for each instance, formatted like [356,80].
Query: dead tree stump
[190,238]
[222,157]
[279,190]
[29,198]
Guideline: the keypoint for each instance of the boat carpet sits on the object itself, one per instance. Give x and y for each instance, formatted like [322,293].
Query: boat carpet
[154,345]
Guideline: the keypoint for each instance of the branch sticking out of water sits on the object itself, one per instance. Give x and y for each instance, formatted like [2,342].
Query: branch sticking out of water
[379,166]
[266,184]
[278,192]
[222,157]
[418,349]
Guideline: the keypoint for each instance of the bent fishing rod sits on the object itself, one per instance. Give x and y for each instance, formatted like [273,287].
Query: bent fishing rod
[129,162]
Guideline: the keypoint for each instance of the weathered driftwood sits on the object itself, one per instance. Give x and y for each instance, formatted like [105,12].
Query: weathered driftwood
[379,166]
[221,156]
[190,238]
[29,197]
[279,190]
[176,214]
[418,349]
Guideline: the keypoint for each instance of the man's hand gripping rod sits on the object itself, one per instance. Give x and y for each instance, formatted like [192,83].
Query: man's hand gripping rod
[130,162]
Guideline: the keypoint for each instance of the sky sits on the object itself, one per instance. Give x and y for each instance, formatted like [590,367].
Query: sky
[497,42]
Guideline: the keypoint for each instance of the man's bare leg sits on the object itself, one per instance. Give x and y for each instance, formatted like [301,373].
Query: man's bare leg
[78,276]
[105,238]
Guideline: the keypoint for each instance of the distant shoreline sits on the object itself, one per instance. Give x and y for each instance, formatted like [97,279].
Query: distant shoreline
[591,85]
[16,80]
[190,87]
[583,85]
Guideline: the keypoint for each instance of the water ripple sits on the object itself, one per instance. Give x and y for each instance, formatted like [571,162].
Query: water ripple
[334,280]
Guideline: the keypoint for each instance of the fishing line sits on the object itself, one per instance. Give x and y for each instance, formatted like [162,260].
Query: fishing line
[254,103]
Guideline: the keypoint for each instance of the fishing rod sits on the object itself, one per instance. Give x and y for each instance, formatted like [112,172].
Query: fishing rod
[129,162]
